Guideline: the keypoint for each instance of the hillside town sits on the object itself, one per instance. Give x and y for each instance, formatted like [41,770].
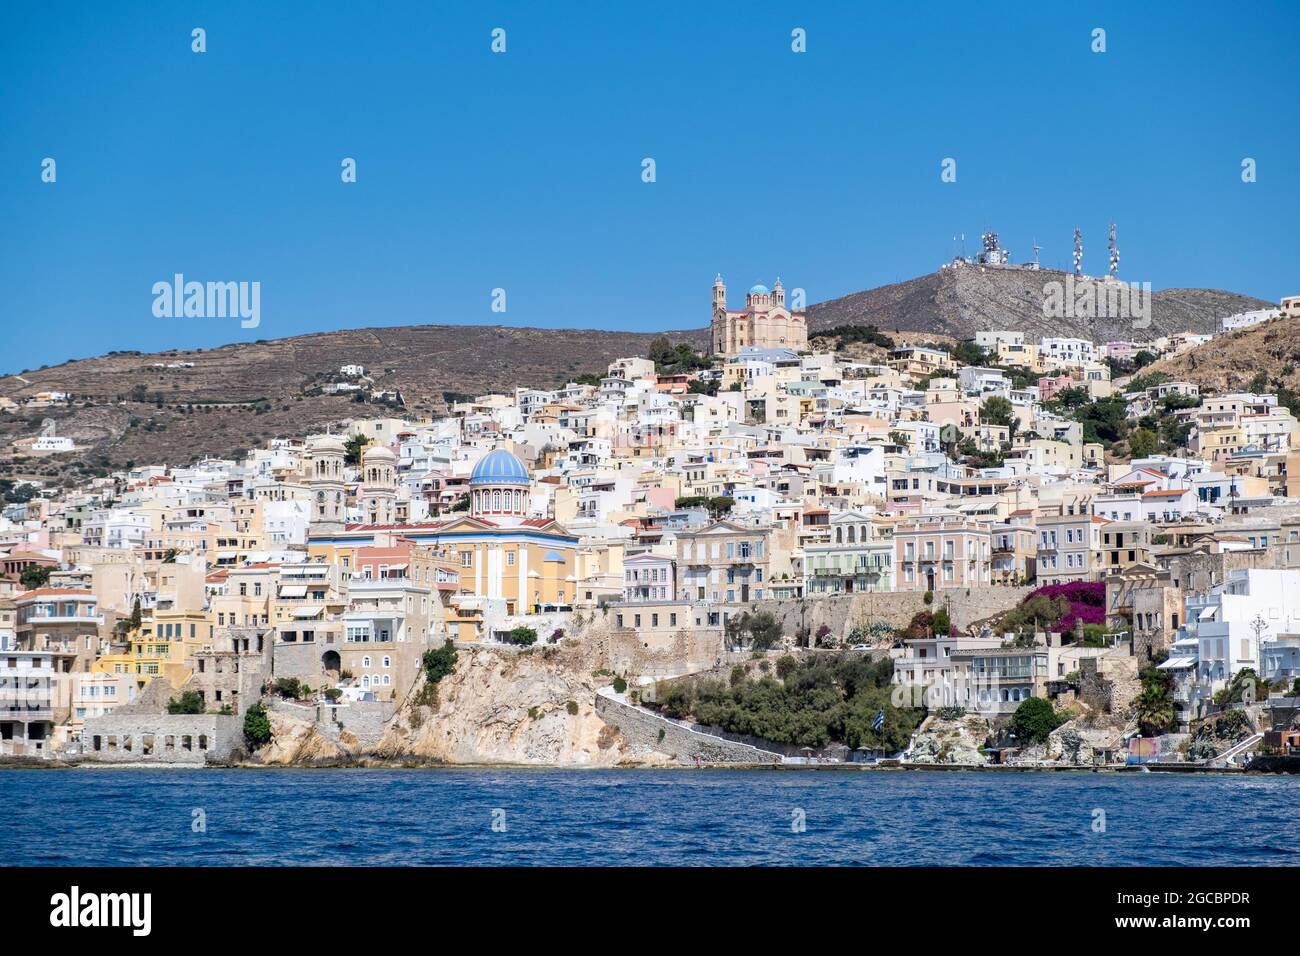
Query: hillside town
[993,551]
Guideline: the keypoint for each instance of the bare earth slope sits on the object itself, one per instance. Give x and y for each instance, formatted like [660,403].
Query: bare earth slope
[1231,361]
[237,396]
[966,299]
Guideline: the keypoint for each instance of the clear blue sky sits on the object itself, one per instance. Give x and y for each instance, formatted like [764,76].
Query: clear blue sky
[522,170]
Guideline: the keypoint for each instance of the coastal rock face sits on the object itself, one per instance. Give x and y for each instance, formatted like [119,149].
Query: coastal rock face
[534,706]
[1079,741]
[951,742]
[297,741]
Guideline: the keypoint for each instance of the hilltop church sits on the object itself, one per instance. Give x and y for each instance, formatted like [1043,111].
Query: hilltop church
[764,323]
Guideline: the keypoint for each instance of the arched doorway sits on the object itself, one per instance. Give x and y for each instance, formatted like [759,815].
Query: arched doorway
[331,663]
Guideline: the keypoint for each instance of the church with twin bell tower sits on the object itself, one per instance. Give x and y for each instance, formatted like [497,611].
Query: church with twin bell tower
[764,323]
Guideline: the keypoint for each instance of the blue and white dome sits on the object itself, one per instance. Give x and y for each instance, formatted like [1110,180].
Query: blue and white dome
[758,290]
[499,467]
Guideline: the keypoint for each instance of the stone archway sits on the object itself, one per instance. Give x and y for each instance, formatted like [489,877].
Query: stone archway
[331,664]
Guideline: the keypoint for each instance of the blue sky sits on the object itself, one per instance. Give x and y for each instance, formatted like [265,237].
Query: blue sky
[523,171]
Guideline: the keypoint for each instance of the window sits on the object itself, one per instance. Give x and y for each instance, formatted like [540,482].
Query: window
[467,559]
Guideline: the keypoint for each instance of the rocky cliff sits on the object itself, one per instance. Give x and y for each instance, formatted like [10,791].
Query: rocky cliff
[534,706]
[499,706]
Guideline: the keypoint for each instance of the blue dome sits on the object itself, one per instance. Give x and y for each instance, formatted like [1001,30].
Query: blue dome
[758,290]
[499,468]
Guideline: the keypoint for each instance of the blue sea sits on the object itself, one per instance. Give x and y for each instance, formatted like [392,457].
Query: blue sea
[682,817]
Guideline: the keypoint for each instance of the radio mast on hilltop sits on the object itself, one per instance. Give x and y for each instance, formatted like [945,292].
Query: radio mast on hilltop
[1114,254]
[1078,253]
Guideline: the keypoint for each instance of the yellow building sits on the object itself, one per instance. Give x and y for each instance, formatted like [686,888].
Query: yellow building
[502,554]
[166,645]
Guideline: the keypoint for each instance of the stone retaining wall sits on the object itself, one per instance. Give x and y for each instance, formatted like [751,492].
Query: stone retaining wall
[644,733]
[840,612]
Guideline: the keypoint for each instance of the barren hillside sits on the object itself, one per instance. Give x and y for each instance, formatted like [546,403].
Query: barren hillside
[966,299]
[1232,361]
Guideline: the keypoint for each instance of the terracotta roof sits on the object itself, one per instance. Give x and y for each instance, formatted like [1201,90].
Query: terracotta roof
[1174,493]
[54,592]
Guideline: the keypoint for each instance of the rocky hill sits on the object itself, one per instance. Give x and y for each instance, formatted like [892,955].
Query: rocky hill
[177,406]
[1233,361]
[964,299]
[133,407]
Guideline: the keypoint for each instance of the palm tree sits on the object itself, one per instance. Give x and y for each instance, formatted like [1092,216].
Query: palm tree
[1155,708]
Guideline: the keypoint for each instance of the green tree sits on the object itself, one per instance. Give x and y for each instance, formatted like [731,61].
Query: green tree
[662,352]
[34,576]
[257,726]
[720,505]
[1154,703]
[941,624]
[1142,443]
[1035,719]
[355,446]
[996,410]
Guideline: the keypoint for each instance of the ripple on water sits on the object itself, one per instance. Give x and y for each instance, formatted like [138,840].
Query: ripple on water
[558,817]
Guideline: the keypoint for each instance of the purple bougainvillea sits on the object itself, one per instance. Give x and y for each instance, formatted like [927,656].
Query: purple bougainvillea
[1087,602]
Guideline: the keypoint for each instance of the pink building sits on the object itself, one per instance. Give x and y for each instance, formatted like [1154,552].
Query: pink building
[941,551]
[1050,385]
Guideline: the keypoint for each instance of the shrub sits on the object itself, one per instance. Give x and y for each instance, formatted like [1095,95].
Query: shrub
[257,726]
[818,701]
[941,623]
[191,702]
[572,708]
[787,665]
[1035,719]
[928,597]
[288,687]
[439,663]
[523,636]
[620,685]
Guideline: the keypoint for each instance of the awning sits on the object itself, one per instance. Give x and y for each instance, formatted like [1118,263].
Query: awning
[293,591]
[1177,664]
[307,612]
[1208,612]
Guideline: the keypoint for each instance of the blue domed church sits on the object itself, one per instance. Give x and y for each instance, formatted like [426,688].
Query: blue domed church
[765,323]
[503,552]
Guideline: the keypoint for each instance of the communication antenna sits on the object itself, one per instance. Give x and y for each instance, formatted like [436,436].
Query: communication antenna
[1114,254]
[1036,247]
[1078,253]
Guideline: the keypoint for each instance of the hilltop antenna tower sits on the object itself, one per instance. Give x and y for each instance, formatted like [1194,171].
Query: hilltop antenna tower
[1078,253]
[1114,254]
[1036,248]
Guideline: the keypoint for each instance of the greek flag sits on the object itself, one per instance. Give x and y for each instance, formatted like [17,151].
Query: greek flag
[879,722]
